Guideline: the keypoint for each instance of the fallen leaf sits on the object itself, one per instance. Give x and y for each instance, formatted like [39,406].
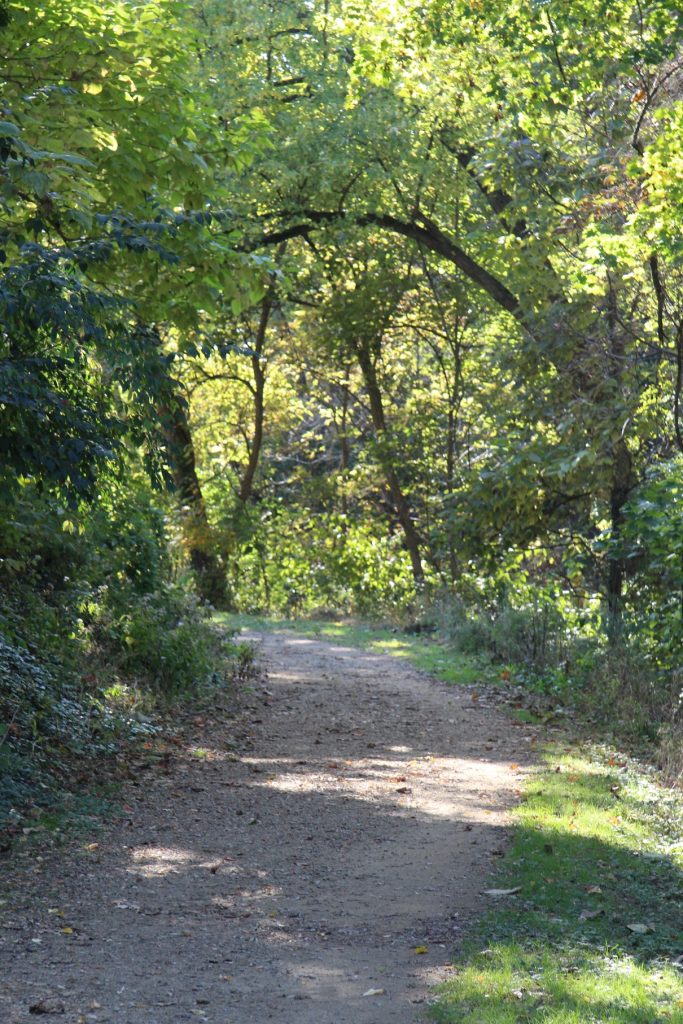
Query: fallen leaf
[67,931]
[422,949]
[502,892]
[404,789]
[594,889]
[640,929]
[375,992]
[589,915]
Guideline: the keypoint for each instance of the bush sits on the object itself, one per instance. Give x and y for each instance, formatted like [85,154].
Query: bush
[652,545]
[47,720]
[164,640]
[91,632]
[534,634]
[552,650]
[296,563]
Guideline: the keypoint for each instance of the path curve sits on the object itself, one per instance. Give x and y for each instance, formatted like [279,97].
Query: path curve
[353,828]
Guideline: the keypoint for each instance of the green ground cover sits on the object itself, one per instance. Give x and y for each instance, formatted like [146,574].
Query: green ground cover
[595,931]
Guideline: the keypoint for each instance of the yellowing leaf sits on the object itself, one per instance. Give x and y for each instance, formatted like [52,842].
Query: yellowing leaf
[422,949]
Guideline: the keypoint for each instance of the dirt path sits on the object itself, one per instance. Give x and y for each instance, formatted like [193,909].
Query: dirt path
[356,823]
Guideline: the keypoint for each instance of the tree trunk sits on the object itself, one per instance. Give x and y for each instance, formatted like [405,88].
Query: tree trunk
[622,480]
[450,479]
[206,566]
[247,482]
[398,498]
[619,493]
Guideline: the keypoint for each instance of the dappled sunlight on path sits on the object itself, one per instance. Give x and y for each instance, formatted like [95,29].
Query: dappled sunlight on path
[320,874]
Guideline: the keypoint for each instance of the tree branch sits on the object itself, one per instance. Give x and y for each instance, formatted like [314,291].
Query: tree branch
[421,230]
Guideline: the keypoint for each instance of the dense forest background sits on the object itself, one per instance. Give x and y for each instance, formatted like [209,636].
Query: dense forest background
[315,306]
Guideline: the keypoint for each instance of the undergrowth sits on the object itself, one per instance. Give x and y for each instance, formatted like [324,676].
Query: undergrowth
[97,641]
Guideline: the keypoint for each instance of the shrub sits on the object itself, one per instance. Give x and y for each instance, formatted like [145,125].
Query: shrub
[91,632]
[164,640]
[47,719]
[296,563]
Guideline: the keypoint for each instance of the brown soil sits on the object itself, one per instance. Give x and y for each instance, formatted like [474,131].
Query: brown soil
[353,829]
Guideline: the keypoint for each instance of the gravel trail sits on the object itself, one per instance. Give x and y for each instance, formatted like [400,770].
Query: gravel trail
[312,861]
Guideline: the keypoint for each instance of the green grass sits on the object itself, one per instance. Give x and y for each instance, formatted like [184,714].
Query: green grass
[428,655]
[596,849]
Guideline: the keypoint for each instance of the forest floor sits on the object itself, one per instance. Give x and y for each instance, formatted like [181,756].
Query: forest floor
[311,857]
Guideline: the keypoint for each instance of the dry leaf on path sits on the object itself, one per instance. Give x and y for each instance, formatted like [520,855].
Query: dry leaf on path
[502,892]
[375,992]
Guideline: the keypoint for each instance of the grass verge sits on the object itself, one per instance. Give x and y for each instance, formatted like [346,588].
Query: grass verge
[594,934]
[430,655]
